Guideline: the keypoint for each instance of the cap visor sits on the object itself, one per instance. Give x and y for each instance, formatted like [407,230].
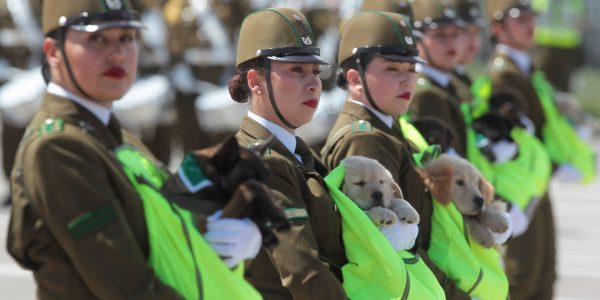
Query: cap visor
[402,58]
[107,25]
[314,59]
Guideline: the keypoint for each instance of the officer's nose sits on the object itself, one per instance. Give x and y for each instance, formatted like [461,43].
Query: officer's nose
[478,201]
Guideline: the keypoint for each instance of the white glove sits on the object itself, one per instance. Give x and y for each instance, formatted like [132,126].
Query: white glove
[568,173]
[520,220]
[501,238]
[401,235]
[233,239]
[504,151]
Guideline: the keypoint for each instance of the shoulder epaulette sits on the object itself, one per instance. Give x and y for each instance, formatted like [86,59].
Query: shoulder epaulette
[51,125]
[361,126]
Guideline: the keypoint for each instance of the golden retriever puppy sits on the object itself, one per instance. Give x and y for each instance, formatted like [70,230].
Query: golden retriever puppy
[371,186]
[451,178]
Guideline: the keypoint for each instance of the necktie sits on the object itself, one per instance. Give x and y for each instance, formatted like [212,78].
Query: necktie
[115,128]
[304,151]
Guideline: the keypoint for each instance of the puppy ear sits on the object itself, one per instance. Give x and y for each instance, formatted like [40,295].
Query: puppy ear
[397,190]
[486,189]
[440,178]
[227,156]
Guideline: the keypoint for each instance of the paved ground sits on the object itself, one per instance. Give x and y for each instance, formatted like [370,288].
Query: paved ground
[577,212]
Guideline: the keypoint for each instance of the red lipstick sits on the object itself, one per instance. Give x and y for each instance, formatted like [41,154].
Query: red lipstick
[406,96]
[115,72]
[312,103]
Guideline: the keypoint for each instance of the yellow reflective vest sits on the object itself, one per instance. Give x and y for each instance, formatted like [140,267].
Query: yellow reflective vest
[474,269]
[561,140]
[374,269]
[179,254]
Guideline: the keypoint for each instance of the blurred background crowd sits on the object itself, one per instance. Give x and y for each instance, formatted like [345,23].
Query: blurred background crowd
[180,100]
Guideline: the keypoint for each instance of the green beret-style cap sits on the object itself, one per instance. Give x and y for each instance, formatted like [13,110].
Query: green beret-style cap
[88,15]
[496,10]
[280,34]
[470,11]
[383,33]
[434,13]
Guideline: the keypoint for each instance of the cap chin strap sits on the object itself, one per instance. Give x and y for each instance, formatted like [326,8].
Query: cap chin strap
[62,35]
[272,98]
[361,71]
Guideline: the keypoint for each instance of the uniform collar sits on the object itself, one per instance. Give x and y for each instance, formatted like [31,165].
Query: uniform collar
[521,58]
[441,77]
[285,137]
[101,112]
[386,119]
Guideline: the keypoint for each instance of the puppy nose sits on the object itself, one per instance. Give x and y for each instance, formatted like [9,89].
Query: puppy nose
[377,195]
[478,201]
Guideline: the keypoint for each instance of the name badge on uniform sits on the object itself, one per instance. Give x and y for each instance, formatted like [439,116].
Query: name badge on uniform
[295,213]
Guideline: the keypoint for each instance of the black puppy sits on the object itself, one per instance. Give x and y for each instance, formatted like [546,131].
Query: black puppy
[491,129]
[436,132]
[232,178]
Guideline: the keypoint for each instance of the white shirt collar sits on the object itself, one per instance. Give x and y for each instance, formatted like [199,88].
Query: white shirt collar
[441,77]
[284,136]
[386,119]
[101,112]
[521,58]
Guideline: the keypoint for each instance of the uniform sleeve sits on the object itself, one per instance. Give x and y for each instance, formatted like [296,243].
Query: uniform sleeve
[296,256]
[74,193]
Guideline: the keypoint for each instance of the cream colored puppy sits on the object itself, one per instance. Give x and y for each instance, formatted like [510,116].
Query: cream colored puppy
[371,186]
[451,178]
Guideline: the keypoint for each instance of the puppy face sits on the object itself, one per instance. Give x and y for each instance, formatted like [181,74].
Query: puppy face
[455,179]
[230,164]
[436,131]
[368,183]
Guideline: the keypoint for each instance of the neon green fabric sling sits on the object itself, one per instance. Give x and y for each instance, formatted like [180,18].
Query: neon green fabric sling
[375,270]
[474,269]
[561,140]
[179,254]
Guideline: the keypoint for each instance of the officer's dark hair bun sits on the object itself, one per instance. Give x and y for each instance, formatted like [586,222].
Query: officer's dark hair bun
[238,84]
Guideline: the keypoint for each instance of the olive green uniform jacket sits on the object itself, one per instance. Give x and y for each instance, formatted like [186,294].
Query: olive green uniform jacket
[433,100]
[306,263]
[530,258]
[462,82]
[357,131]
[76,221]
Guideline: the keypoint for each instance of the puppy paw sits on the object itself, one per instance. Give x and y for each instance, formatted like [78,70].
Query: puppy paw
[405,212]
[480,233]
[382,217]
[494,221]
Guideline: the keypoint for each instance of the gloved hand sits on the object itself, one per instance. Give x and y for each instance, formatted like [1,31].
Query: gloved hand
[504,151]
[233,239]
[401,235]
[520,220]
[501,238]
[568,173]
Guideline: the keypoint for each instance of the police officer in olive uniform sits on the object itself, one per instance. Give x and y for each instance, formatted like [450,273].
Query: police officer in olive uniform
[436,94]
[366,130]
[531,257]
[306,264]
[471,13]
[77,222]
[18,51]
